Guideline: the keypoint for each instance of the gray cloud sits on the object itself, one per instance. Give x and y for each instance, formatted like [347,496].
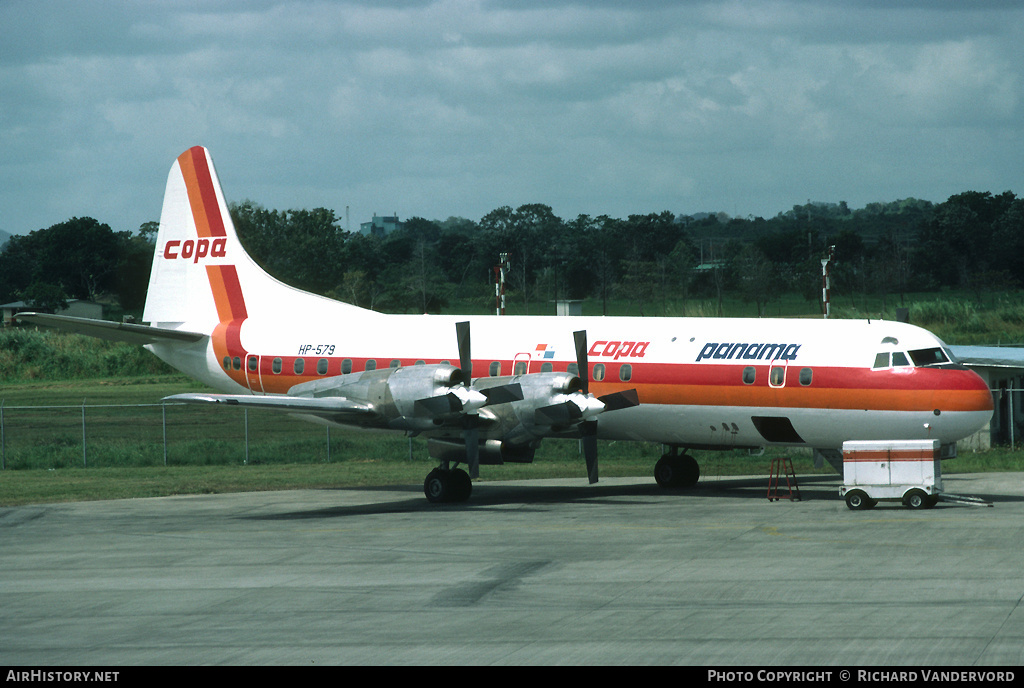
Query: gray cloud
[456,107]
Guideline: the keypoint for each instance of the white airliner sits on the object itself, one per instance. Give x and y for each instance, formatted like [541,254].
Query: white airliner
[685,383]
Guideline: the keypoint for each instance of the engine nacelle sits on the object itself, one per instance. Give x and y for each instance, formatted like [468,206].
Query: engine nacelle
[516,422]
[393,392]
[492,452]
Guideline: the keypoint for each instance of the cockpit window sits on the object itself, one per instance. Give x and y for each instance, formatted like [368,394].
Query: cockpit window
[881,360]
[899,359]
[929,357]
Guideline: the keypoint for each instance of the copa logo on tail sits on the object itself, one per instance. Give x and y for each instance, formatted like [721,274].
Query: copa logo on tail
[195,250]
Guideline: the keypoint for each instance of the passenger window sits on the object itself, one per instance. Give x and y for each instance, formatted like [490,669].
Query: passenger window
[321,366]
[546,367]
[573,369]
[420,363]
[495,369]
[899,359]
[346,366]
[394,363]
[598,372]
[625,372]
[881,360]
[749,375]
[253,364]
[777,376]
[371,364]
[236,363]
[299,366]
[519,368]
[805,376]
[276,366]
[227,363]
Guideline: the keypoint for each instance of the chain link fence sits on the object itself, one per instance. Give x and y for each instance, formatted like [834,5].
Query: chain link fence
[157,434]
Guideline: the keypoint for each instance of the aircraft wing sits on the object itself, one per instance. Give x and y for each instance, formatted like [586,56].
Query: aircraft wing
[338,409]
[111,331]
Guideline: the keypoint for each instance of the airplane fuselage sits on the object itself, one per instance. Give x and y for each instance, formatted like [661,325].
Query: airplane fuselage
[702,382]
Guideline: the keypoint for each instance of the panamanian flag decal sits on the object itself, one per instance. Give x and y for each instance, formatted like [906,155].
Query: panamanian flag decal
[544,351]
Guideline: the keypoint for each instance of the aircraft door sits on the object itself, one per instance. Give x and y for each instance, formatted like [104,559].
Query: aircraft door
[252,374]
[777,373]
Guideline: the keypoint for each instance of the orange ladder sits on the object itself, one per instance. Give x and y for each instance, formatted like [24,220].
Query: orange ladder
[782,466]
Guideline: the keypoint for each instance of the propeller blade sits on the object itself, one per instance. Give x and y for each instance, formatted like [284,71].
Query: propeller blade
[470,431]
[438,405]
[589,430]
[503,394]
[620,400]
[472,436]
[580,337]
[557,414]
[465,357]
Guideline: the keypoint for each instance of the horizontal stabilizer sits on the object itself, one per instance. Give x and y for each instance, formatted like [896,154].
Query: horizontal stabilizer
[111,331]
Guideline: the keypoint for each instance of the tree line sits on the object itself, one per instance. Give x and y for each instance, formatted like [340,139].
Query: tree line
[972,241]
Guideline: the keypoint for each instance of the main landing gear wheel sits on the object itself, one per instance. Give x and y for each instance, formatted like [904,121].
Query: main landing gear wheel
[447,486]
[676,470]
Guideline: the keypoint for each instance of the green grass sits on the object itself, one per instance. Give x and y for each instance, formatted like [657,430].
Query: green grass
[374,459]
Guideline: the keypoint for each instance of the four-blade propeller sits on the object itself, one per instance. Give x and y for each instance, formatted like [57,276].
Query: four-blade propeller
[582,408]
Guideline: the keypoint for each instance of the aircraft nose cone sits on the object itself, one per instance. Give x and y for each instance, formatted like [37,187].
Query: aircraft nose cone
[975,403]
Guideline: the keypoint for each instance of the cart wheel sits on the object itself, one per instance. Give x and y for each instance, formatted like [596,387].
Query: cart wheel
[915,499]
[858,499]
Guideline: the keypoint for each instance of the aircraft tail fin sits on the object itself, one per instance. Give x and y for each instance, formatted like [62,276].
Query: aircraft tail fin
[201,276]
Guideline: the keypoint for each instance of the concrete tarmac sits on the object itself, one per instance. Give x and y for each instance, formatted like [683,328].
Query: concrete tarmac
[526,572]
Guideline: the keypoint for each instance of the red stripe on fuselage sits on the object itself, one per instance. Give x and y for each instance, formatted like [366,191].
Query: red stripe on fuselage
[910,389]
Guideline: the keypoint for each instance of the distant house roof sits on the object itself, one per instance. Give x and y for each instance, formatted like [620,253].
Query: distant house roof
[76,307]
[22,304]
[989,356]
[711,265]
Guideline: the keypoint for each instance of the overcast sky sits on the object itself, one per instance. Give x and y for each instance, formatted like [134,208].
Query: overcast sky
[457,107]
